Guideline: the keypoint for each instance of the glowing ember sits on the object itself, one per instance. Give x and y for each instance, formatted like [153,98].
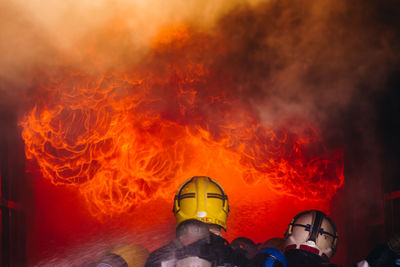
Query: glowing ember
[131,136]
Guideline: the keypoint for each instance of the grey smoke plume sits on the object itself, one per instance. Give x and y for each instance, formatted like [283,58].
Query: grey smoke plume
[287,58]
[306,58]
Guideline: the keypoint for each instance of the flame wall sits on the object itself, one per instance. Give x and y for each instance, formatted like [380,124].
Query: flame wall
[126,137]
[124,100]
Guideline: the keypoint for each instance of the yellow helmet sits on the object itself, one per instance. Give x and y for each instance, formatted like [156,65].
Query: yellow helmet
[201,198]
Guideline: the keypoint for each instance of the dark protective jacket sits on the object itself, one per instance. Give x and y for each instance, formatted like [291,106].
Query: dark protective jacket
[215,250]
[382,256]
[302,258]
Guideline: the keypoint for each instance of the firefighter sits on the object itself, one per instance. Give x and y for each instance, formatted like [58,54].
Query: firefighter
[201,210]
[123,255]
[275,242]
[310,240]
[269,257]
[385,255]
[246,245]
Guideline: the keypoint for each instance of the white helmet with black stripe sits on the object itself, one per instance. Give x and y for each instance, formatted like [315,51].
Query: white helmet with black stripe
[312,231]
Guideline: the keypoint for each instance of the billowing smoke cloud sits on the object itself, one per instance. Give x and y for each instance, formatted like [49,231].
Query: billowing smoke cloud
[33,32]
[306,58]
[287,57]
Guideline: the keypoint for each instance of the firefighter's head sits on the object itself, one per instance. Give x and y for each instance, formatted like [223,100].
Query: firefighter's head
[201,198]
[312,231]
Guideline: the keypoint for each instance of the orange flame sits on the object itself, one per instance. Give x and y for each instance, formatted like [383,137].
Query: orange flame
[126,137]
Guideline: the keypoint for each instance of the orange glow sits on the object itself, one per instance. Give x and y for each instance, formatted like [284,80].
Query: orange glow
[126,137]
